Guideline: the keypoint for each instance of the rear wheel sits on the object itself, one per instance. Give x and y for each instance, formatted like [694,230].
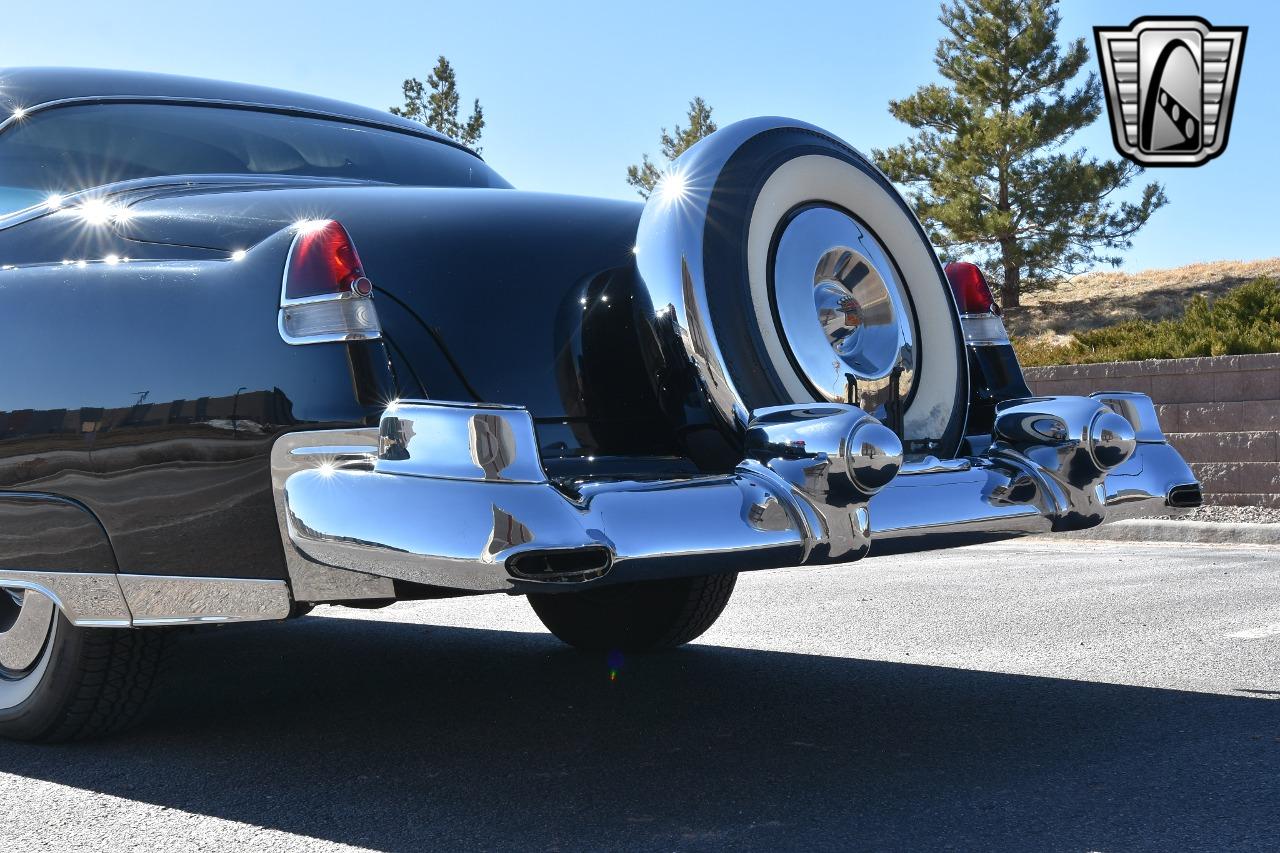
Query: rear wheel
[59,682]
[638,617]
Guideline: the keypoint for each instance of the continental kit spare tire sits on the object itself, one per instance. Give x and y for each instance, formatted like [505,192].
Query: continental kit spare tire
[794,273]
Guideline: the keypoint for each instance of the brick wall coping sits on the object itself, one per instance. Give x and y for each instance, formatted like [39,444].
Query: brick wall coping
[1150,367]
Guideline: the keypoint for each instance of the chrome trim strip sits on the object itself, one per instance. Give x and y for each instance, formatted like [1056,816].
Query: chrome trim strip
[103,600]
[171,600]
[87,599]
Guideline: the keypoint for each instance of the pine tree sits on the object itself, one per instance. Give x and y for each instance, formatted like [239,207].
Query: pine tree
[438,109]
[987,172]
[646,176]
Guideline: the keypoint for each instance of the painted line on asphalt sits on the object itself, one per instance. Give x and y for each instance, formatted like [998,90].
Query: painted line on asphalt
[1257,633]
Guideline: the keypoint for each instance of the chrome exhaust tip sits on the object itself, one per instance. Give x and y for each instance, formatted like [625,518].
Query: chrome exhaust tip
[1188,496]
[568,565]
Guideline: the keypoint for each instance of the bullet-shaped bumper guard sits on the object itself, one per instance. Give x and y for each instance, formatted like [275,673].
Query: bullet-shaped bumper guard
[455,495]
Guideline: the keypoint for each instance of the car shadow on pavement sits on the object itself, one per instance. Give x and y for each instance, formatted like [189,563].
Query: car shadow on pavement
[401,736]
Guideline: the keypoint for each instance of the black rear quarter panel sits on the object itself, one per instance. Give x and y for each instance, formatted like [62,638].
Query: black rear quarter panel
[151,392]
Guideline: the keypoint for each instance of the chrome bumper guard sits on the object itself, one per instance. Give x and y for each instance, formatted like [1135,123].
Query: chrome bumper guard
[455,495]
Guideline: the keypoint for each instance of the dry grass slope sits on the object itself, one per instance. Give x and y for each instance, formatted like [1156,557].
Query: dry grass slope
[1099,299]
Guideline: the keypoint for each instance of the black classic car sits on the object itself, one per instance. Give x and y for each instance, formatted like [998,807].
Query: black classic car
[264,350]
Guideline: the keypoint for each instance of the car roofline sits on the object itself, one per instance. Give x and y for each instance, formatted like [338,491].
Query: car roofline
[222,103]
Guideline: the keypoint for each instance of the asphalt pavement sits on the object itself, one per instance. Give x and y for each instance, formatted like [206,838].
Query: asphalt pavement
[1028,696]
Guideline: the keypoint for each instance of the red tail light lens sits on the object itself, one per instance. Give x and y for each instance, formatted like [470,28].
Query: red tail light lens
[324,262]
[326,296]
[969,285]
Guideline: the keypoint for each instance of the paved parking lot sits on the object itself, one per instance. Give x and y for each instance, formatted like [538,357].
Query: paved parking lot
[1077,696]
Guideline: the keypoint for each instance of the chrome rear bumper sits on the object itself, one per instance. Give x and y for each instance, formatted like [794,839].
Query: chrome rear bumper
[455,496]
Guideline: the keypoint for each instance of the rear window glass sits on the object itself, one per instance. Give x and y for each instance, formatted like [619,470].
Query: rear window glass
[67,149]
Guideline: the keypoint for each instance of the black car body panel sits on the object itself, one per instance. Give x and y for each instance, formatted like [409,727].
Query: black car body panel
[156,405]
[157,401]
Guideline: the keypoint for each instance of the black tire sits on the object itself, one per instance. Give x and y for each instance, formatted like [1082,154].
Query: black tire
[97,681]
[638,617]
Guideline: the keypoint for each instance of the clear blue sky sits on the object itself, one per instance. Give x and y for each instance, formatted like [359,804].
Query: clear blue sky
[573,92]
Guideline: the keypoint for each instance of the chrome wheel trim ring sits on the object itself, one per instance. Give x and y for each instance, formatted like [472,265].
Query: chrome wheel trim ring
[842,310]
[819,179]
[28,620]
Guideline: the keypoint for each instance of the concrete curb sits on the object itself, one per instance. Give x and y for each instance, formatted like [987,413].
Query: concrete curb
[1163,530]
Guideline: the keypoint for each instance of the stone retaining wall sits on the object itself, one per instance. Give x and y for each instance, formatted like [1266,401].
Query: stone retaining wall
[1223,414]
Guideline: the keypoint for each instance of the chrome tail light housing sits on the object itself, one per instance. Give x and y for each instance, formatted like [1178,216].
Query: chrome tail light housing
[325,295]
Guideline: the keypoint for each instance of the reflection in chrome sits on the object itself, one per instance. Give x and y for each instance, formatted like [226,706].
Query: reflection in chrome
[106,600]
[168,600]
[842,310]
[27,630]
[835,457]
[304,451]
[460,440]
[1068,444]
[453,499]
[86,599]
[26,620]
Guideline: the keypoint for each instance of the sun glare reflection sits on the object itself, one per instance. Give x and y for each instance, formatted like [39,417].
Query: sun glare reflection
[95,211]
[309,226]
[673,187]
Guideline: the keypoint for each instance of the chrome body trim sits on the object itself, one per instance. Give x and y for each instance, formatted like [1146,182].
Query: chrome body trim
[1147,482]
[309,580]
[834,457]
[1137,409]
[86,599]
[108,600]
[493,444]
[455,496]
[168,600]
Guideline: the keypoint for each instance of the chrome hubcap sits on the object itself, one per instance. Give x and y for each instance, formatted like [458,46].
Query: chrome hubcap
[26,618]
[843,312]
